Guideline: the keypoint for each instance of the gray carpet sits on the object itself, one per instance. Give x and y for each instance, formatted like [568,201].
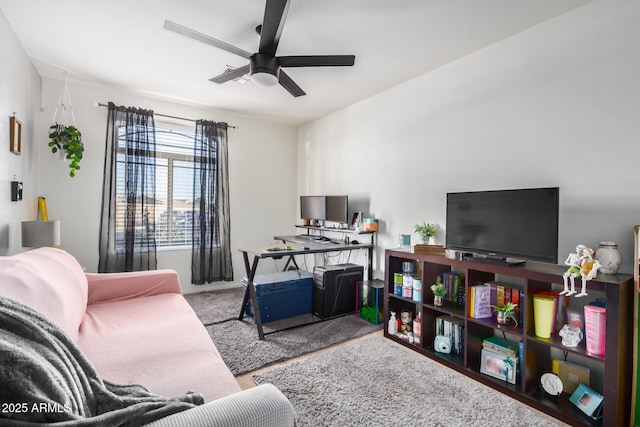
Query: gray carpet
[238,343]
[371,382]
[216,306]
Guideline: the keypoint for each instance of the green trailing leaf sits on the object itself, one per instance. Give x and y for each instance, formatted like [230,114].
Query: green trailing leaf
[69,140]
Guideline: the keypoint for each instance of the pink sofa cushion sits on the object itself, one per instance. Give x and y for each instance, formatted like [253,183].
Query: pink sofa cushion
[157,341]
[109,287]
[50,281]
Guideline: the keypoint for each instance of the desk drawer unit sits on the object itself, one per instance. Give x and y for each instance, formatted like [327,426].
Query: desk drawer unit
[283,294]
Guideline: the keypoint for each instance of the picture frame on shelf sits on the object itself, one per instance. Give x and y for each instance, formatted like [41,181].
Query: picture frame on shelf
[15,137]
[588,401]
[356,221]
[498,365]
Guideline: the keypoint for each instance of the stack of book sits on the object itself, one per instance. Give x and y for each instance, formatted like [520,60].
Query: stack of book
[454,282]
[500,345]
[496,352]
[451,327]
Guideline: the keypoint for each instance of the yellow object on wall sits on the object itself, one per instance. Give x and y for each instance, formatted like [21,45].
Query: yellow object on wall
[42,209]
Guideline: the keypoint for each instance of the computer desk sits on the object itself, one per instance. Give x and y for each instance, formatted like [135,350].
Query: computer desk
[289,247]
[335,245]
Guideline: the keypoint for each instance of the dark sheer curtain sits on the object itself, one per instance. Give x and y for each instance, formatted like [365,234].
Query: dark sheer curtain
[127,222]
[211,258]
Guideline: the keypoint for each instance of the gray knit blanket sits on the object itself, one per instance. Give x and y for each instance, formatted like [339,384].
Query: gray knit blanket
[46,379]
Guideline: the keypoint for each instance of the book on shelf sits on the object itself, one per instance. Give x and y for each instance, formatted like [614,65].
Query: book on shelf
[454,283]
[502,294]
[454,328]
[480,304]
[462,297]
[570,374]
[500,345]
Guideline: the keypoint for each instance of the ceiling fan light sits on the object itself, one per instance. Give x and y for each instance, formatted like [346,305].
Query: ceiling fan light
[264,79]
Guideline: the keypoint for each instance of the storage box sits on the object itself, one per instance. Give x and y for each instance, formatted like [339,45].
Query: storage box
[370,224]
[283,294]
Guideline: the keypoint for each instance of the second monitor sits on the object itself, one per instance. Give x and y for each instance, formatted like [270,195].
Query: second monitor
[324,208]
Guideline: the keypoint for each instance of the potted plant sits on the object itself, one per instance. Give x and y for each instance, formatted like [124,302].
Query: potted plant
[67,140]
[426,231]
[439,291]
[506,312]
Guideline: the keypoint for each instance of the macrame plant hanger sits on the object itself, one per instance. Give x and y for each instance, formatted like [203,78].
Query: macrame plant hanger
[65,137]
[64,104]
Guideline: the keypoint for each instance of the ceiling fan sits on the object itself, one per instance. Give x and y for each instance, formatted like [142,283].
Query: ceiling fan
[264,66]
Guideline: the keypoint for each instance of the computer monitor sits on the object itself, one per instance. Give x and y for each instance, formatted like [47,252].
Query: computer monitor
[313,207]
[336,209]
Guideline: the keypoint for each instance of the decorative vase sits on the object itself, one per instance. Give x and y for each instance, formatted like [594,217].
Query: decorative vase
[426,240]
[609,257]
[437,300]
[502,318]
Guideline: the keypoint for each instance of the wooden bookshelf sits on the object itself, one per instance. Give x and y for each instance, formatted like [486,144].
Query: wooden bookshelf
[610,375]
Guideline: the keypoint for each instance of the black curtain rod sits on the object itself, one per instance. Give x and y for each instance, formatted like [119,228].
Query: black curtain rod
[100,104]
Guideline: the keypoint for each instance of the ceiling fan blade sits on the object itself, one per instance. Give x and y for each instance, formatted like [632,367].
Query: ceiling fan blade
[274,16]
[192,34]
[230,75]
[317,61]
[290,85]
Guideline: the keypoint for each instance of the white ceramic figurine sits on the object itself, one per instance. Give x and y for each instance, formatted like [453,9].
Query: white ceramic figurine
[581,264]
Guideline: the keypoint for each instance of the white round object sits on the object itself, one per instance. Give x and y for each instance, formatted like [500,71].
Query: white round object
[551,383]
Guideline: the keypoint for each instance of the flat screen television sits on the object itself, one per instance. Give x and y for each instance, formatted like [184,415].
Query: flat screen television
[313,207]
[508,225]
[337,209]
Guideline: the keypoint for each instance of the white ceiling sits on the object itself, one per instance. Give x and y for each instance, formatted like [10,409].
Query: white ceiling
[122,44]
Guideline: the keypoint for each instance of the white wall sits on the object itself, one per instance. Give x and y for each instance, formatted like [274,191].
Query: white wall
[556,105]
[262,177]
[19,91]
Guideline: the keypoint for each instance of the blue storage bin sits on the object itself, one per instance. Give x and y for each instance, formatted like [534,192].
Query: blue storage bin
[283,294]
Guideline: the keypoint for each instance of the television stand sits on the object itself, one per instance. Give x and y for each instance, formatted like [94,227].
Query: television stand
[505,262]
[609,373]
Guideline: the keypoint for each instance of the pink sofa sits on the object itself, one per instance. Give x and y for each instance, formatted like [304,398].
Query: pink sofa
[133,327]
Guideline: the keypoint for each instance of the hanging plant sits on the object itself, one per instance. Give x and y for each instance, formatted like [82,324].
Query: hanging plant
[67,140]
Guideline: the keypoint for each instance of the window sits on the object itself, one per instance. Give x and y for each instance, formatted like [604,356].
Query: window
[168,215]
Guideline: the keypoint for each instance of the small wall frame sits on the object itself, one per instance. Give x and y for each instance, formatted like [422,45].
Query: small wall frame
[15,139]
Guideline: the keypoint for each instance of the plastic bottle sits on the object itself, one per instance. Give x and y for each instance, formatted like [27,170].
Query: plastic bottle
[393,324]
[417,328]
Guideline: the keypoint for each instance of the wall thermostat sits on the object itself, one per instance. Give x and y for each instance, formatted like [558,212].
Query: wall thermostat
[16,191]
